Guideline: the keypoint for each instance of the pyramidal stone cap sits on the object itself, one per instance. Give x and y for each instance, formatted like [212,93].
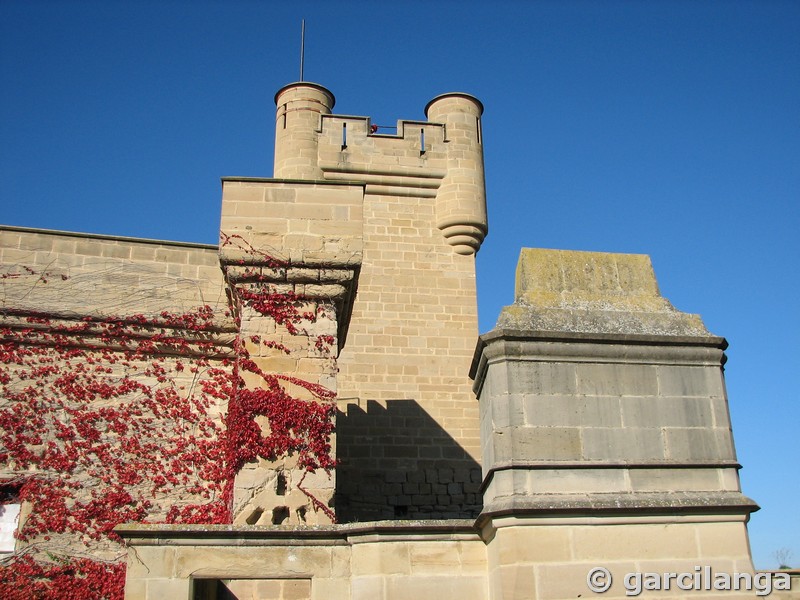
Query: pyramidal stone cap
[592,292]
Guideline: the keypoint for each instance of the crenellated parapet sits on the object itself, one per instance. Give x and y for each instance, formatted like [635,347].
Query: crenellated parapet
[441,158]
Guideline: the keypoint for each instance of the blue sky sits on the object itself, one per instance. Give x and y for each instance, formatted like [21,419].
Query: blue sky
[665,128]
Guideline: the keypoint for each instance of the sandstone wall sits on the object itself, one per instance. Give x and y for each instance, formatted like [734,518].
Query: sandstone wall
[412,331]
[401,561]
[111,342]
[92,275]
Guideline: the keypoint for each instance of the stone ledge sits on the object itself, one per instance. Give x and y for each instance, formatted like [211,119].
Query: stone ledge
[673,504]
[546,465]
[312,182]
[101,236]
[143,534]
[515,344]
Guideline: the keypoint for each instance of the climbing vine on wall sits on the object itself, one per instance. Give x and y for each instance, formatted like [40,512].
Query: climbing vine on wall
[296,426]
[136,419]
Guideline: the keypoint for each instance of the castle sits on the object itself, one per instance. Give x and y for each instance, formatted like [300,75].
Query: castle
[307,411]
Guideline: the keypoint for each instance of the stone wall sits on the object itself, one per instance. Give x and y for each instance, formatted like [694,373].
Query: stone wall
[94,275]
[108,343]
[401,560]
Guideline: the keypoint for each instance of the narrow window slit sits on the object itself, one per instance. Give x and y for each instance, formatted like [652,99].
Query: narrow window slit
[280,484]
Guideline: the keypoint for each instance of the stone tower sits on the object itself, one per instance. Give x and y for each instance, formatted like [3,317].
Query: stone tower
[394,221]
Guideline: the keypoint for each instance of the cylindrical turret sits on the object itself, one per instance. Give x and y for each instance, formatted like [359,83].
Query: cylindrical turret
[297,125]
[461,199]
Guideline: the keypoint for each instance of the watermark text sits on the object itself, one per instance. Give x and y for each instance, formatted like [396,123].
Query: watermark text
[701,579]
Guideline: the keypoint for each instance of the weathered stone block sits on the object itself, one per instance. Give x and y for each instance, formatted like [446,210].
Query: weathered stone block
[667,412]
[541,378]
[576,411]
[686,381]
[381,559]
[544,443]
[699,444]
[652,541]
[617,380]
[622,444]
[576,481]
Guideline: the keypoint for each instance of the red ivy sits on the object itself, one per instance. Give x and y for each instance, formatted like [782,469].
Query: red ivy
[69,580]
[89,412]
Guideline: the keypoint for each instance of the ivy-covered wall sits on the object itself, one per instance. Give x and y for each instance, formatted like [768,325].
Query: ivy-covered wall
[129,393]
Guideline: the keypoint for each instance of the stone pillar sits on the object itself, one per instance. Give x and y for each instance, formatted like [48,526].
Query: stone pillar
[461,199]
[303,358]
[299,243]
[297,128]
[605,433]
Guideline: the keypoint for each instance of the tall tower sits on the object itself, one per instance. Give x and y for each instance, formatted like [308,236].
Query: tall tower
[403,214]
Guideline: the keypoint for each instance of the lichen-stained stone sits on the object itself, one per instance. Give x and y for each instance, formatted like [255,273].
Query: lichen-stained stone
[592,292]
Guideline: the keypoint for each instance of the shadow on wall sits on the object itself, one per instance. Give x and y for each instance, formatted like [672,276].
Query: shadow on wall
[242,589]
[396,462]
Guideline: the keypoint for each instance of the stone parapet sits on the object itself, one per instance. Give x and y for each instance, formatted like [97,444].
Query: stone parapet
[441,158]
[76,275]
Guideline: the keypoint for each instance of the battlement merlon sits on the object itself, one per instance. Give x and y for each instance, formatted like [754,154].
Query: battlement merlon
[440,158]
